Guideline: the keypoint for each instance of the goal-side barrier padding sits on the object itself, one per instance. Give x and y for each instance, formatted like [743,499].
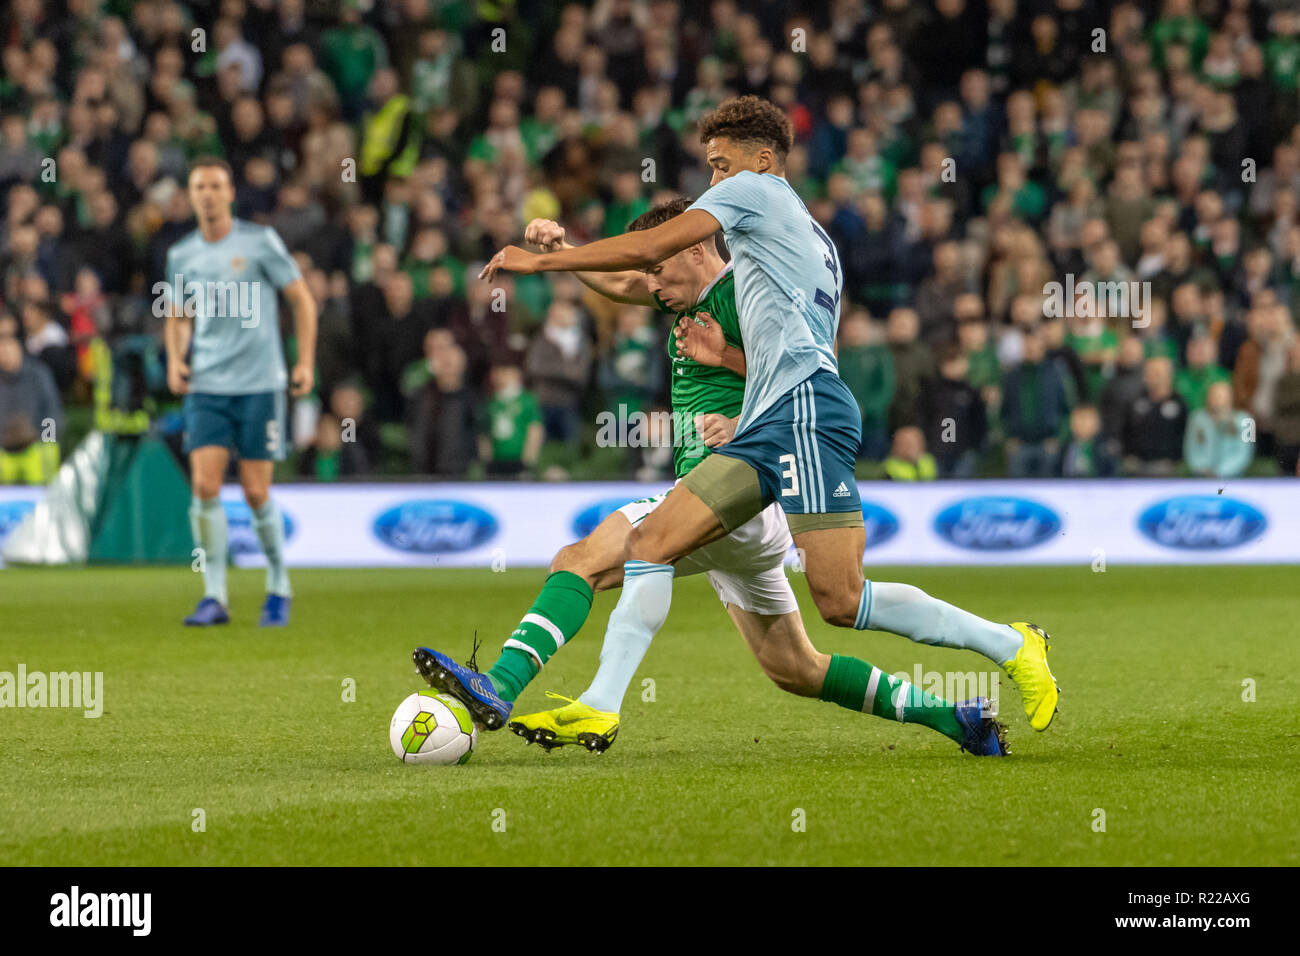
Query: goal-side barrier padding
[118,499]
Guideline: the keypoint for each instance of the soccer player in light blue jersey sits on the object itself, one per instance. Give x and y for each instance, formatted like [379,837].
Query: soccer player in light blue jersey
[224,355]
[797,439]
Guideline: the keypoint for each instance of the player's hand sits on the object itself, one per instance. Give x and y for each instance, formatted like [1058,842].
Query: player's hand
[510,259]
[178,377]
[714,429]
[547,234]
[700,338]
[303,378]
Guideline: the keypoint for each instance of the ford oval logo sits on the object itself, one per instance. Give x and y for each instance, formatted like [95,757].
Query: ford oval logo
[996,524]
[881,525]
[243,536]
[1201,522]
[435,527]
[12,513]
[585,521]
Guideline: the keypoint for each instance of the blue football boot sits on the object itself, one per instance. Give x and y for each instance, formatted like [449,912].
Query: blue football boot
[985,737]
[465,683]
[208,612]
[275,612]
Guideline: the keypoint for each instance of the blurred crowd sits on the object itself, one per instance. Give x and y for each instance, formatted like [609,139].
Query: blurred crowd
[991,172]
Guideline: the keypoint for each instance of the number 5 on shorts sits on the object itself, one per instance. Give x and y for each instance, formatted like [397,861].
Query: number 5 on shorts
[789,462]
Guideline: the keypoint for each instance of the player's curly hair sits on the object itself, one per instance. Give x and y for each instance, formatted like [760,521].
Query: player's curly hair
[751,120]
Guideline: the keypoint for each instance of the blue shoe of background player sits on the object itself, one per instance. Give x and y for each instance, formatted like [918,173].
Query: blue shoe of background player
[275,612]
[208,612]
[466,684]
[985,737]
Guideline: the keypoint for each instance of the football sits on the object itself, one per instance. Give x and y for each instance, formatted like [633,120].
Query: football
[432,728]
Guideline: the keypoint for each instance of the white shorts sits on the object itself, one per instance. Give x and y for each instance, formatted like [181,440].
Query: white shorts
[747,567]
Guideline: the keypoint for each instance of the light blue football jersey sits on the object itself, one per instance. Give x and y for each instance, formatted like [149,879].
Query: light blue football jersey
[231,286]
[788,284]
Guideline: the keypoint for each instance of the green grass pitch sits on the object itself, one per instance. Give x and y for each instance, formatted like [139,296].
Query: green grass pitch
[251,727]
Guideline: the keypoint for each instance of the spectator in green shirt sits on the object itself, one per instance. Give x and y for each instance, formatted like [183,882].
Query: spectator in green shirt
[441,76]
[631,372]
[1085,454]
[867,367]
[1179,26]
[1202,371]
[513,432]
[629,203]
[864,166]
[982,367]
[1097,347]
[981,357]
[1028,201]
[350,55]
[429,251]
[1282,51]
[541,130]
[503,132]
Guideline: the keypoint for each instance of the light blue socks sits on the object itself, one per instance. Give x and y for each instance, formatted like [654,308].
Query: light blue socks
[270,532]
[641,611]
[909,611]
[208,524]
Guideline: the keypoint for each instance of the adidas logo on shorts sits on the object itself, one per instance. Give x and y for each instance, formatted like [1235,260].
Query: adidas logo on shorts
[841,492]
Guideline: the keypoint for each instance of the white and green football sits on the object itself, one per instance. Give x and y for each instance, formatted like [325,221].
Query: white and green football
[434,728]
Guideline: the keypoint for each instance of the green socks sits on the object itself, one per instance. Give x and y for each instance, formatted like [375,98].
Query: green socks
[208,525]
[859,686]
[555,617]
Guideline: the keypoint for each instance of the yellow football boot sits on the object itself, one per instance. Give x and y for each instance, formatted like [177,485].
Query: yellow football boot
[574,723]
[1029,670]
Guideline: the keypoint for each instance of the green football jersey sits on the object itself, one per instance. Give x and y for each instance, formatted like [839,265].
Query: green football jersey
[508,421]
[702,389]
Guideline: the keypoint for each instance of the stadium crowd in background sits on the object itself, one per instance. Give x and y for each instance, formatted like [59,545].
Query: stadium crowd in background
[1070,230]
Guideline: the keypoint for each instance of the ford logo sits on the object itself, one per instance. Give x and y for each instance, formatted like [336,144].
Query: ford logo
[881,525]
[435,527]
[1201,522]
[243,536]
[585,521]
[12,513]
[996,524]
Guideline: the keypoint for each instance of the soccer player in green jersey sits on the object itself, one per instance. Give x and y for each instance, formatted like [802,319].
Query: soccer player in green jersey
[746,568]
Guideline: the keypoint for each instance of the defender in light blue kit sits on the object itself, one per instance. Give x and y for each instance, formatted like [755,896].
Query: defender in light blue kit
[224,355]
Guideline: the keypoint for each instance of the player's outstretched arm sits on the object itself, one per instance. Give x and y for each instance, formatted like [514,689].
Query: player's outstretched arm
[632,250]
[628,286]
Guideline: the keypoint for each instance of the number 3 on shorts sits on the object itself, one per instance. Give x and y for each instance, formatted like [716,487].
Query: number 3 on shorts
[788,461]
[273,435]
